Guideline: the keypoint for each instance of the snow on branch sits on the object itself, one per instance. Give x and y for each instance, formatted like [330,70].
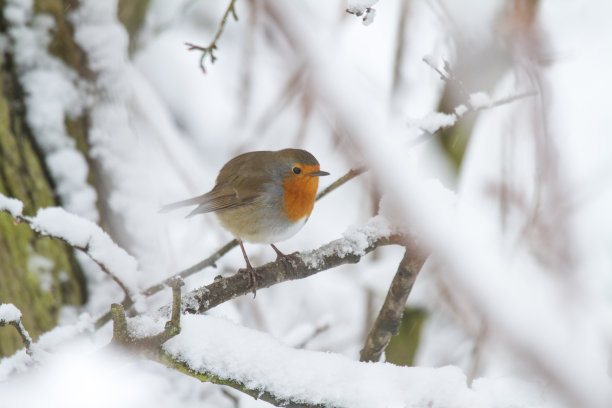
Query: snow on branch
[362,8]
[256,363]
[86,236]
[475,102]
[350,249]
[10,315]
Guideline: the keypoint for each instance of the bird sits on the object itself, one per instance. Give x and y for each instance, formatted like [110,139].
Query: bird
[261,197]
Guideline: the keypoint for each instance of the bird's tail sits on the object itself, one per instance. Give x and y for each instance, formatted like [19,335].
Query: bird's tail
[179,204]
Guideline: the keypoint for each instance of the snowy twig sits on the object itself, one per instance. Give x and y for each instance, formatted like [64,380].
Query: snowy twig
[213,44]
[9,314]
[446,74]
[297,266]
[362,8]
[475,102]
[389,318]
[123,337]
[80,234]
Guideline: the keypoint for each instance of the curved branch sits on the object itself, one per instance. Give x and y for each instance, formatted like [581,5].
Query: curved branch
[389,318]
[80,234]
[11,315]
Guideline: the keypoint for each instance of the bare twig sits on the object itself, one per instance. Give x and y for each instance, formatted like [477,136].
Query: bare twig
[390,315]
[209,50]
[351,174]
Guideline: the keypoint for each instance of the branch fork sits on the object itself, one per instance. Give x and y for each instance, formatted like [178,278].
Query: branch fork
[124,338]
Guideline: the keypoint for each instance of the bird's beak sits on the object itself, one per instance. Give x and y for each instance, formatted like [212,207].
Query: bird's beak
[318,173]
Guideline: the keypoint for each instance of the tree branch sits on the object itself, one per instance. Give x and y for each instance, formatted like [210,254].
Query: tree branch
[181,366]
[147,345]
[351,174]
[11,315]
[390,315]
[298,266]
[476,102]
[83,246]
[213,44]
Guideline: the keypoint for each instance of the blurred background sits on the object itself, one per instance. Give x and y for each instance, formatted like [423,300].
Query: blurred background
[105,111]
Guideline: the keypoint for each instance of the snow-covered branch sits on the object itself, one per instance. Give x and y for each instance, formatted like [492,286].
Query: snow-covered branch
[349,249]
[84,235]
[475,102]
[253,361]
[10,315]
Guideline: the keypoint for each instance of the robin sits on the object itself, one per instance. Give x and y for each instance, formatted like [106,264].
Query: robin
[261,197]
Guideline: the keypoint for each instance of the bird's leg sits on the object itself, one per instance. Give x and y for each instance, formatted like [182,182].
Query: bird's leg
[280,255]
[250,271]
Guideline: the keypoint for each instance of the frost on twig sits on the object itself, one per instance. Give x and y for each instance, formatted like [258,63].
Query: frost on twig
[210,49]
[86,236]
[362,8]
[10,315]
[474,102]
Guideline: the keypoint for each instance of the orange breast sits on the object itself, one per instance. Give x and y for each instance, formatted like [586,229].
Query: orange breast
[300,192]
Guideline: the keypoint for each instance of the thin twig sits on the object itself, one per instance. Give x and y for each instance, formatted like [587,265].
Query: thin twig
[18,325]
[390,316]
[449,76]
[213,44]
[348,176]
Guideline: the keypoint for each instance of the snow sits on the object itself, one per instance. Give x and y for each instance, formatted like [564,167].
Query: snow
[88,236]
[369,17]
[434,121]
[46,78]
[12,205]
[479,100]
[9,313]
[262,362]
[517,291]
[359,6]
[354,242]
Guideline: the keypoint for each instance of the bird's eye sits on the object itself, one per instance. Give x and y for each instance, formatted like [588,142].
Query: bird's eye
[297,170]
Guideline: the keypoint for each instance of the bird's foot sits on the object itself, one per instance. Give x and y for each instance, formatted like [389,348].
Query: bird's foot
[280,256]
[252,275]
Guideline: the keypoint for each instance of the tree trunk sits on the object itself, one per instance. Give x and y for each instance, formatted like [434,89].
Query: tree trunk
[39,275]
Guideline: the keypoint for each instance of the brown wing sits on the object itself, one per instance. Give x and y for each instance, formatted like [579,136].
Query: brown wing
[240,182]
[222,197]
